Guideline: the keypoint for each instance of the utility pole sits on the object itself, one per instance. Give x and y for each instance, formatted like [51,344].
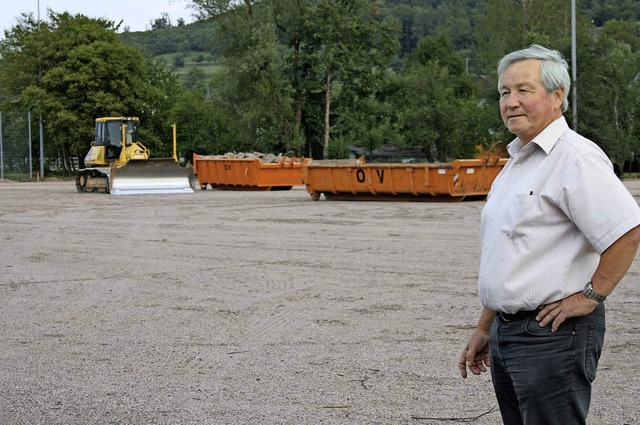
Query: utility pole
[574,66]
[40,123]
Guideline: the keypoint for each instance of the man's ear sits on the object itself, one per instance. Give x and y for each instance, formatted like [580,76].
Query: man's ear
[558,96]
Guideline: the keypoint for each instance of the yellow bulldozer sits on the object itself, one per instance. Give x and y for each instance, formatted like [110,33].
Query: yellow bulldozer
[119,164]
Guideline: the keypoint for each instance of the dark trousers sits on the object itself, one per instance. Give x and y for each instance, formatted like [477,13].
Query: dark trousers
[541,377]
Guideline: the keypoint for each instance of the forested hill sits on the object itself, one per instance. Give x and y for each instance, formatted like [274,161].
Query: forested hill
[165,38]
[418,19]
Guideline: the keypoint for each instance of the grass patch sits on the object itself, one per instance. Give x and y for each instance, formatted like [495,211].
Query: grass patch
[204,61]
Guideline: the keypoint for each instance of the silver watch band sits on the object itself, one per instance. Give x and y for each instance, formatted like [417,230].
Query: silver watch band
[591,294]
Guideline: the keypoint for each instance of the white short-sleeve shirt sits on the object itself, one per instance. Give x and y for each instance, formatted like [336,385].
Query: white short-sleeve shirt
[553,209]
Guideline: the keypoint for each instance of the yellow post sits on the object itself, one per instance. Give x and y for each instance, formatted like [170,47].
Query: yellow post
[175,148]
[123,140]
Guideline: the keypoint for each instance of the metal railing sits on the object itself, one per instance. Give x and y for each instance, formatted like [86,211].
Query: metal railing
[16,147]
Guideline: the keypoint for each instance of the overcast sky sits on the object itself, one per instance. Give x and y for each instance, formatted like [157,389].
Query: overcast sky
[136,14]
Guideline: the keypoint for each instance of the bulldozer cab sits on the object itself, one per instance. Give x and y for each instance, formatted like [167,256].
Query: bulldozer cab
[109,134]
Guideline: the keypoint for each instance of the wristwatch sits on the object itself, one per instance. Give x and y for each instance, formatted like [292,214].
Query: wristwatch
[591,294]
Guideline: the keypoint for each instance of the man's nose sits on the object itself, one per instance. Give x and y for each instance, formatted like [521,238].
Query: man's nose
[512,100]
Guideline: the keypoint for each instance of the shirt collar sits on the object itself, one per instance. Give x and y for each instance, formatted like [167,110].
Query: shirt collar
[546,139]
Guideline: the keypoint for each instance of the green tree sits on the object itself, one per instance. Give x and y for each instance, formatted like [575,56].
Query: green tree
[439,105]
[507,25]
[625,31]
[203,127]
[300,68]
[348,50]
[178,61]
[75,69]
[609,98]
[161,23]
[196,80]
[255,90]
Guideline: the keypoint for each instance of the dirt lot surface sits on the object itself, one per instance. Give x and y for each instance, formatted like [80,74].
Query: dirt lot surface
[227,307]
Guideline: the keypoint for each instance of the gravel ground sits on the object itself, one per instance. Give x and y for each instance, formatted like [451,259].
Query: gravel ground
[254,308]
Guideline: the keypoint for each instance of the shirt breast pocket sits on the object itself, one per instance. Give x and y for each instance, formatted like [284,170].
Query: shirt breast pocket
[522,216]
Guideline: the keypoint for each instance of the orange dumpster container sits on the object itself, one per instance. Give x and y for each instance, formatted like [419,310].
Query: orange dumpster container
[247,173]
[456,180]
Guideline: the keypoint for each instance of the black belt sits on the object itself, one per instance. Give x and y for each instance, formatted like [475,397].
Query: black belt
[519,315]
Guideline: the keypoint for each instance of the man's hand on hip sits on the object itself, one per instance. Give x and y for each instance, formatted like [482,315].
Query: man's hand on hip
[556,313]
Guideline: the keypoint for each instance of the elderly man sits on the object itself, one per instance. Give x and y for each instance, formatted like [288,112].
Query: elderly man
[558,232]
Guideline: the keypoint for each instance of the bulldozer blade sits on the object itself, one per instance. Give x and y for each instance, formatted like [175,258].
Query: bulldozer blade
[152,176]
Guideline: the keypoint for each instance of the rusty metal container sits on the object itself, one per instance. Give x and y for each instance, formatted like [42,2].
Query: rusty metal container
[456,180]
[248,173]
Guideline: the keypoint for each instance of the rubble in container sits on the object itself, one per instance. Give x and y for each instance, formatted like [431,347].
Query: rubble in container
[249,171]
[267,158]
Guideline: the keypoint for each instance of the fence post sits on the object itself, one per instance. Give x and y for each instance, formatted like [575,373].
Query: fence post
[41,150]
[1,154]
[30,158]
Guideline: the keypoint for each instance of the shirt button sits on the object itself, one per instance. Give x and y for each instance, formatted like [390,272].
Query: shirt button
[518,165]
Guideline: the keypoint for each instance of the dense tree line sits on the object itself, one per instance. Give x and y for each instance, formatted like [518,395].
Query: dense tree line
[459,19]
[314,77]
[74,69]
